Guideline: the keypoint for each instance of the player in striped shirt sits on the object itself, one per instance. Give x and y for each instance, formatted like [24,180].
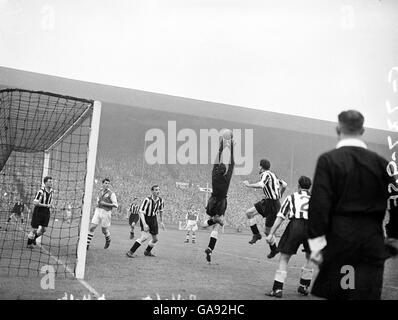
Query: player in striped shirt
[41,211]
[151,207]
[268,207]
[106,201]
[134,216]
[294,208]
[191,218]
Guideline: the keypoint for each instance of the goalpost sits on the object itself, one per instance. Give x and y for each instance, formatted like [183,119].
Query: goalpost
[42,134]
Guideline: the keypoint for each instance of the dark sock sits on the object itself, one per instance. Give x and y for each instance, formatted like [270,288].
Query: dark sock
[135,246]
[148,248]
[254,229]
[273,247]
[210,222]
[305,282]
[30,241]
[277,285]
[107,238]
[212,243]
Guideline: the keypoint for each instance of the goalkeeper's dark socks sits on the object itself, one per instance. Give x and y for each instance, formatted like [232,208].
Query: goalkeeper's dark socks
[212,243]
[277,285]
[135,246]
[210,222]
[254,229]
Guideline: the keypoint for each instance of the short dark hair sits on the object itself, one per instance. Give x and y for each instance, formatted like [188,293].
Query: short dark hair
[304,182]
[154,186]
[106,179]
[265,164]
[46,178]
[351,122]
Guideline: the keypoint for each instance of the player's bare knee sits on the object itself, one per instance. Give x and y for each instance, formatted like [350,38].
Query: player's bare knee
[144,237]
[154,239]
[104,230]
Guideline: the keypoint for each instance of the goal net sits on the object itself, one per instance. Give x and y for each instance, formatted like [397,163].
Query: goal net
[42,134]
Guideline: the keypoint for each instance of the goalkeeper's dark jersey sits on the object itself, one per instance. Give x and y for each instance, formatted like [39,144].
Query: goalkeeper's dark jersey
[220,182]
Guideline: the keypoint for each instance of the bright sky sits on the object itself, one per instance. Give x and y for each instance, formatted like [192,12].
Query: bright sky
[312,58]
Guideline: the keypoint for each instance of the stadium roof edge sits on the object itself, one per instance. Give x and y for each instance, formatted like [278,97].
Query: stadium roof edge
[150,100]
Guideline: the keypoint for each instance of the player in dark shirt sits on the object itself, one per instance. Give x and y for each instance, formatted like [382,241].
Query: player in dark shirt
[217,203]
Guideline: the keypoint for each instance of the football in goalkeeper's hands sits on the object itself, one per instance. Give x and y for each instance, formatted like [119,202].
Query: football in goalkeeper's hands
[227,134]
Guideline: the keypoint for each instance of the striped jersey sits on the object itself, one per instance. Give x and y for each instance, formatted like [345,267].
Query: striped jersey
[44,196]
[151,207]
[271,185]
[295,206]
[134,208]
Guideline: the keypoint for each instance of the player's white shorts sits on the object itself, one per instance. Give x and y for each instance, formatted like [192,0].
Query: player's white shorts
[102,216]
[191,225]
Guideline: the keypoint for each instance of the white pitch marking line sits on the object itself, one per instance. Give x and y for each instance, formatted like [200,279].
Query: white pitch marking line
[58,261]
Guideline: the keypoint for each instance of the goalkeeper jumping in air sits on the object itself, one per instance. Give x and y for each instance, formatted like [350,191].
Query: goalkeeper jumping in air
[217,203]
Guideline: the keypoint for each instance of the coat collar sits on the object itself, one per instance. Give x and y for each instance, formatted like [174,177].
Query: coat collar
[351,142]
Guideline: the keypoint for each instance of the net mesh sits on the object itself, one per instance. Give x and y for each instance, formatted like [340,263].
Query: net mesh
[41,134]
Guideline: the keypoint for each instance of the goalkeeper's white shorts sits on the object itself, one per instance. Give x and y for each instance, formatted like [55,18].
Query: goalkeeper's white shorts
[103,217]
[191,225]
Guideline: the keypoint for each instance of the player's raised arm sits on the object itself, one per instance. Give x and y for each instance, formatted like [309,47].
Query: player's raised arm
[218,158]
[232,164]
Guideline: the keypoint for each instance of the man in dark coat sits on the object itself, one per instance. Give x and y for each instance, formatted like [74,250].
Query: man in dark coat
[346,212]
